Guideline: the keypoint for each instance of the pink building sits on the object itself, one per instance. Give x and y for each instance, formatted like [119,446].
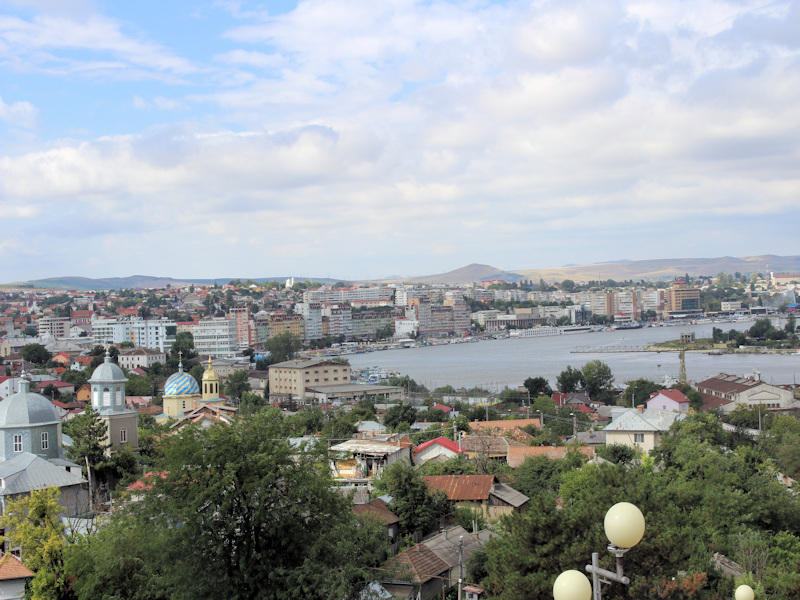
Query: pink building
[671,400]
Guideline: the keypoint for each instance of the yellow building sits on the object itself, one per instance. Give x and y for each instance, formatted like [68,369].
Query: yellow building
[292,377]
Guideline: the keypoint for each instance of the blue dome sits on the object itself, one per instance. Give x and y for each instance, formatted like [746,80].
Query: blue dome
[180,384]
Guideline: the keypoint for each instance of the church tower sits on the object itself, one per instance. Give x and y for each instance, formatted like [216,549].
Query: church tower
[210,384]
[108,399]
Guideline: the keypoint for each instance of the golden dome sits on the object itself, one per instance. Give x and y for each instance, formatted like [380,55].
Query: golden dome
[210,374]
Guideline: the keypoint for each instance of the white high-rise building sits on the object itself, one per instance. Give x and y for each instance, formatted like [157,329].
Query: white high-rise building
[216,338]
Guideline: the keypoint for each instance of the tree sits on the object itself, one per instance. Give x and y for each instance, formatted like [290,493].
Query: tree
[237,384]
[638,392]
[51,391]
[569,380]
[400,413]
[258,518]
[137,385]
[30,331]
[35,353]
[32,522]
[283,347]
[568,285]
[88,433]
[417,507]
[538,386]
[251,403]
[597,380]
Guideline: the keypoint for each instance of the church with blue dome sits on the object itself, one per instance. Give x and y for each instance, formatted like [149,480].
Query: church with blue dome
[182,393]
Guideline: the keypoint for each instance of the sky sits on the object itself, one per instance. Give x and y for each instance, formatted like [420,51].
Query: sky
[361,140]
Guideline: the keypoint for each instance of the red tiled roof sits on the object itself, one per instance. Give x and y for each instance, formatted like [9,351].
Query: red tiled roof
[676,395]
[462,487]
[711,402]
[12,568]
[442,407]
[379,509]
[145,483]
[442,441]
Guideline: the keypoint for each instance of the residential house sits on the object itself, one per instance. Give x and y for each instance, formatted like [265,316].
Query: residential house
[378,509]
[503,427]
[439,450]
[672,400]
[14,576]
[630,427]
[481,493]
[431,568]
[365,459]
[488,447]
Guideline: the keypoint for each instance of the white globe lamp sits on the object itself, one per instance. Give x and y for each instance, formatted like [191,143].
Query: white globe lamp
[744,592]
[572,585]
[624,525]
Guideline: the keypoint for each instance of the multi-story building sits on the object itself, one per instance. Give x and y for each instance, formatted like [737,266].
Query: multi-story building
[291,378]
[216,338]
[349,295]
[142,333]
[626,305]
[653,300]
[269,325]
[339,319]
[366,323]
[726,392]
[58,327]
[461,315]
[683,300]
[602,303]
[419,309]
[312,319]
[241,316]
[140,358]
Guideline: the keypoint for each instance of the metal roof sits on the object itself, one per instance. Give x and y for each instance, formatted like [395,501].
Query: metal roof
[462,487]
[26,472]
[509,495]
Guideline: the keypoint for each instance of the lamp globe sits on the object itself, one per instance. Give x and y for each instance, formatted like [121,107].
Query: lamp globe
[572,585]
[744,592]
[624,525]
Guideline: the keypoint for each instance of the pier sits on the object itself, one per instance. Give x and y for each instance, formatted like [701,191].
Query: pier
[609,349]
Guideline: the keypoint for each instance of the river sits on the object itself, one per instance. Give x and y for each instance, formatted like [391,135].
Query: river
[495,364]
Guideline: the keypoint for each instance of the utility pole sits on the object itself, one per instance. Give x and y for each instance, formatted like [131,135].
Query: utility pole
[460,563]
[574,425]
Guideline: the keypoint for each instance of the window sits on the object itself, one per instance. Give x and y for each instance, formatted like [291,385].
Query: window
[638,438]
[123,436]
[17,443]
[45,440]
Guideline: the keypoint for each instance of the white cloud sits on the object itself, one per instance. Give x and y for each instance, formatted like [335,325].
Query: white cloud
[19,114]
[341,134]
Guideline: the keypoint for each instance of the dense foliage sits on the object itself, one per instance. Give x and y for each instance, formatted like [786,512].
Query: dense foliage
[698,497]
[235,515]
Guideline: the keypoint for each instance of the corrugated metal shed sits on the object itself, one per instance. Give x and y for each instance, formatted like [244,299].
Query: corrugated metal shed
[462,487]
[509,495]
[419,563]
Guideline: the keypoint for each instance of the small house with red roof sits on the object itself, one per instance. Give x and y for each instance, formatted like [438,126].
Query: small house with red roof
[672,400]
[443,407]
[439,450]
[14,576]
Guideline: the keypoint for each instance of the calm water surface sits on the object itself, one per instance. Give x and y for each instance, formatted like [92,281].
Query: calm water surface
[499,363]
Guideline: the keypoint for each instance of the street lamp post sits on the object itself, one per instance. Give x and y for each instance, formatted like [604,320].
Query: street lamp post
[624,526]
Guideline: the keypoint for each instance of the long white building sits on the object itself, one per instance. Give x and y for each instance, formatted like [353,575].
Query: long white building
[143,333]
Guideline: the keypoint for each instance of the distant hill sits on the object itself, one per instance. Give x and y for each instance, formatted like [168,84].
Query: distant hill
[473,272]
[619,270]
[665,268]
[139,281]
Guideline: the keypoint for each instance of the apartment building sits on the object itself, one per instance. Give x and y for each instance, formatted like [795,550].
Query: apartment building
[337,321]
[312,319]
[216,338]
[142,333]
[348,295]
[240,315]
[58,327]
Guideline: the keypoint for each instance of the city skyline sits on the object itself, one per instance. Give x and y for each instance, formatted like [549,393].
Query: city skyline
[366,141]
